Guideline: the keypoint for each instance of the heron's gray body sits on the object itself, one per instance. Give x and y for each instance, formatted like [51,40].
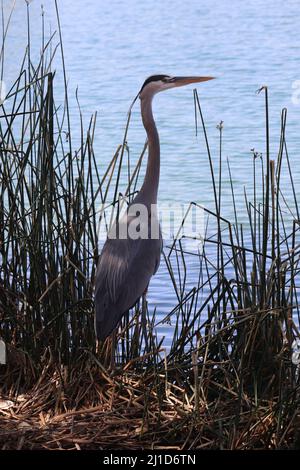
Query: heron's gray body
[126,265]
[123,273]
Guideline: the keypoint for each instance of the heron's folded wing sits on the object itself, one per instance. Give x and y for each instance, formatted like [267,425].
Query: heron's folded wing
[113,266]
[124,271]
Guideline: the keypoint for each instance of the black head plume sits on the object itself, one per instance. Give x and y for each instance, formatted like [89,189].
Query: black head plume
[155,78]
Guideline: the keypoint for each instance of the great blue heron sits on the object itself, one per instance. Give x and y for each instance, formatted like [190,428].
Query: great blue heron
[127,263]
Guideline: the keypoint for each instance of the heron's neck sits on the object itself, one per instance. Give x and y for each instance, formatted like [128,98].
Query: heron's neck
[150,186]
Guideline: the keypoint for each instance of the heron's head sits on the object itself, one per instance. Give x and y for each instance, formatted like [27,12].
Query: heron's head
[157,83]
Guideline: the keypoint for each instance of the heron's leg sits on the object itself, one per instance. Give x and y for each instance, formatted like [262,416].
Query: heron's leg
[113,350]
[144,317]
[125,354]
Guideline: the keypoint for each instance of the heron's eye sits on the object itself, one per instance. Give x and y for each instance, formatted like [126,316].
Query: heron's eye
[168,79]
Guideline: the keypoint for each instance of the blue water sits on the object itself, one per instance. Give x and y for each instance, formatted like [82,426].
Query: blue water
[112,46]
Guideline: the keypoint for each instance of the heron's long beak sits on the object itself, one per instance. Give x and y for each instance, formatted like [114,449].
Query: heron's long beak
[181,81]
